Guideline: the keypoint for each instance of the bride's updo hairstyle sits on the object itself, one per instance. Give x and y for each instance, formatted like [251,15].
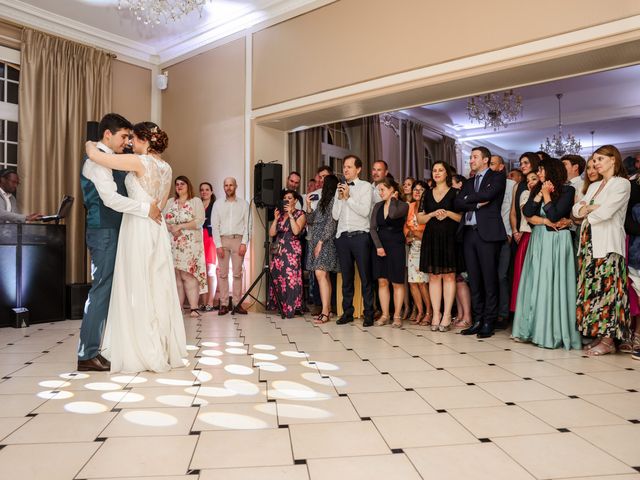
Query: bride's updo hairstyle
[149,131]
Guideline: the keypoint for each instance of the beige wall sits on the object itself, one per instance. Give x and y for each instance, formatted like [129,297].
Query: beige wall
[352,41]
[131,91]
[203,114]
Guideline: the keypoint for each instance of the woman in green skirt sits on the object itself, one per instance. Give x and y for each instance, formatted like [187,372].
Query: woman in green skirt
[545,308]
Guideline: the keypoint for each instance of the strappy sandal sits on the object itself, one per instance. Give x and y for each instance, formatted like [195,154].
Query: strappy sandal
[417,319]
[397,322]
[383,320]
[594,343]
[462,324]
[427,319]
[628,346]
[195,313]
[322,318]
[602,348]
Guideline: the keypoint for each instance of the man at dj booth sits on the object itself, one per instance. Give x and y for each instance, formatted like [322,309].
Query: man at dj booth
[9,182]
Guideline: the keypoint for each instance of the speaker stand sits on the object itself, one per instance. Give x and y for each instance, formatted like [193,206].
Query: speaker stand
[266,272]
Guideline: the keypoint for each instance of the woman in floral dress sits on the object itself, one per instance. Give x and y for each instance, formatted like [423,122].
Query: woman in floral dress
[286,257]
[184,215]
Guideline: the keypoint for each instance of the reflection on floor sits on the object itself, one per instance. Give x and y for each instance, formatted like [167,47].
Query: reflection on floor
[265,398]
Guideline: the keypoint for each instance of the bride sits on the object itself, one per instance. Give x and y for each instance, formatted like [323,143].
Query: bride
[145,329]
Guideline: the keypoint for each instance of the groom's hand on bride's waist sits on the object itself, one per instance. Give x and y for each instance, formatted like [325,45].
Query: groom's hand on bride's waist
[154,213]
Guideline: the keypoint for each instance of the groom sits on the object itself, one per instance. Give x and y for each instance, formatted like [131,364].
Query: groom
[105,201]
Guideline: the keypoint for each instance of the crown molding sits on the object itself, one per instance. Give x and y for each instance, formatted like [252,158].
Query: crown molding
[139,53]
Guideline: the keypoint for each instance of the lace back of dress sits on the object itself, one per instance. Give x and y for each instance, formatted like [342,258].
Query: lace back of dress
[156,180]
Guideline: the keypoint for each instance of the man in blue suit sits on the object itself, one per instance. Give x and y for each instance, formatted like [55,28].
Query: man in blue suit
[105,200]
[483,234]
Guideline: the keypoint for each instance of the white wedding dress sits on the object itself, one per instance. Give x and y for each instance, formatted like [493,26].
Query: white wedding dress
[145,329]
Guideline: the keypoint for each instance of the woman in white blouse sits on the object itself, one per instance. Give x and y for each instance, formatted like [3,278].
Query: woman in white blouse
[602,303]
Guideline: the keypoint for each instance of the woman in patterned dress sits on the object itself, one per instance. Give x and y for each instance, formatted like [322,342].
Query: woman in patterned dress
[321,252]
[184,215]
[418,281]
[602,303]
[286,260]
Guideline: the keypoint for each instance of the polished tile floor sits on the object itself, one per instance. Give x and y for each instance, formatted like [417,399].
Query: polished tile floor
[265,398]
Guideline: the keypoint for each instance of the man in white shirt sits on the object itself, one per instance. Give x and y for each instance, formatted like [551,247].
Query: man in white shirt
[9,213]
[352,210]
[105,201]
[379,170]
[504,257]
[231,226]
[575,166]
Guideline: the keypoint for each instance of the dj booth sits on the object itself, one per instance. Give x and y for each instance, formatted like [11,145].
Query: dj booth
[32,272]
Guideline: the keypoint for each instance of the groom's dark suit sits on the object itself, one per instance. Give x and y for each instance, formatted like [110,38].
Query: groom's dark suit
[483,233]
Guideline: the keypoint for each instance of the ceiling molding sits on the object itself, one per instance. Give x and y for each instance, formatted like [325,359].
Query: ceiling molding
[21,13]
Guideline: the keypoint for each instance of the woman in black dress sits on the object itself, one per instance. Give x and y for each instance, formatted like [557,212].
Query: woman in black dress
[439,255]
[390,262]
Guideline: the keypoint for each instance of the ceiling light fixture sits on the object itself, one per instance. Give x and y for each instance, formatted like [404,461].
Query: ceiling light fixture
[155,12]
[561,144]
[495,110]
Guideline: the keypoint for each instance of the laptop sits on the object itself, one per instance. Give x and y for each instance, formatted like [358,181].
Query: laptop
[63,210]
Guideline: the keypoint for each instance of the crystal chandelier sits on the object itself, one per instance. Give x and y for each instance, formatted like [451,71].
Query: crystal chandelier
[561,144]
[155,12]
[495,109]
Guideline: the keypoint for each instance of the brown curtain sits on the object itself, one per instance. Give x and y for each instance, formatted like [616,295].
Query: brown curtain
[447,150]
[412,147]
[305,153]
[62,86]
[370,143]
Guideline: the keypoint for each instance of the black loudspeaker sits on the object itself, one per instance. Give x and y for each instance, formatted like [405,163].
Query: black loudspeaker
[267,184]
[76,297]
[93,135]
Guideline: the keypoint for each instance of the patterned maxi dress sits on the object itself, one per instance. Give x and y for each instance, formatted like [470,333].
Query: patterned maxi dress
[188,248]
[286,268]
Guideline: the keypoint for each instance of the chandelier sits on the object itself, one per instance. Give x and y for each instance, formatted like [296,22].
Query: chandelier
[155,12]
[495,109]
[561,144]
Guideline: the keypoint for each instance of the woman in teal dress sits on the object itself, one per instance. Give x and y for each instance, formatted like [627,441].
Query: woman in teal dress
[545,308]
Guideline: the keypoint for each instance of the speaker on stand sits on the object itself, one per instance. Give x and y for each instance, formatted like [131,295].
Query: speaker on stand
[267,187]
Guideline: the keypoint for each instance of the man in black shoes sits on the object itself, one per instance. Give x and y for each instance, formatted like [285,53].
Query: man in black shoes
[352,210]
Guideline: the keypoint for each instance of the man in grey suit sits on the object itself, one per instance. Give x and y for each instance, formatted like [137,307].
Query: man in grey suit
[105,201]
[9,182]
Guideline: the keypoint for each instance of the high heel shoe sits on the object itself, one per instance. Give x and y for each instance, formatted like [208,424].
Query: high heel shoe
[397,322]
[383,320]
[445,327]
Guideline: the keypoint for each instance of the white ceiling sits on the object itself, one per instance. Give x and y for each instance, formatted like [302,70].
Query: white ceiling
[101,23]
[606,102]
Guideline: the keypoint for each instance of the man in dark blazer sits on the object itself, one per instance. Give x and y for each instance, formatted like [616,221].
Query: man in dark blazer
[483,234]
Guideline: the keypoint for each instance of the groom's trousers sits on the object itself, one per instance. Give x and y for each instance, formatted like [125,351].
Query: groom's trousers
[102,244]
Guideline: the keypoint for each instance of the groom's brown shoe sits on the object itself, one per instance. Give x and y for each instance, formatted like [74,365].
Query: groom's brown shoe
[92,365]
[104,361]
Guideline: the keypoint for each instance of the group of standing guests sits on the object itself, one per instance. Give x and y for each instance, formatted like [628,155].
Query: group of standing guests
[542,246]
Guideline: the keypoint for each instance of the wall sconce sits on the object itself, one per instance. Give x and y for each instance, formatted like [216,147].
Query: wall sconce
[162,81]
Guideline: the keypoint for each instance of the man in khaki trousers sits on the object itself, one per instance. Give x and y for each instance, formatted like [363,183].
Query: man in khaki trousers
[231,225]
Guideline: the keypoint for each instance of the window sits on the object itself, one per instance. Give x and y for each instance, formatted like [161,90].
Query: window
[9,85]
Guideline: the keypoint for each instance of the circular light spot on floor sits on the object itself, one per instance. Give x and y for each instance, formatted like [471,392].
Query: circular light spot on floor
[210,344]
[192,347]
[175,400]
[234,344]
[211,392]
[212,353]
[265,356]
[85,407]
[242,387]
[127,379]
[74,376]
[233,421]
[320,366]
[238,369]
[262,346]
[176,382]
[54,384]
[55,395]
[270,367]
[301,411]
[286,389]
[236,351]
[211,361]
[202,376]
[150,419]
[102,386]
[292,354]
[123,397]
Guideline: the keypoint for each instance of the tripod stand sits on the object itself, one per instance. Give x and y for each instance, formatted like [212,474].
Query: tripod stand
[266,272]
